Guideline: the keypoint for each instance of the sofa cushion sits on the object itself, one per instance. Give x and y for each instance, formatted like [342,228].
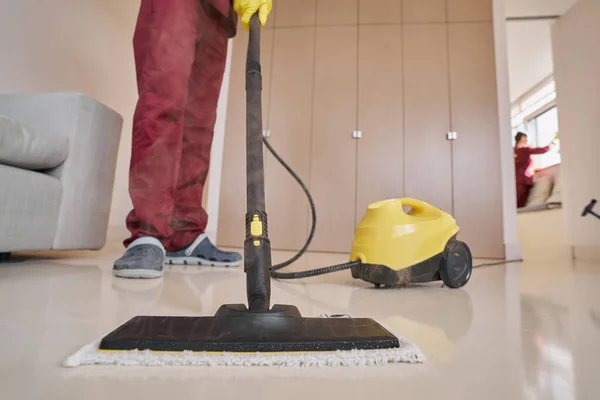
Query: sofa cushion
[26,148]
[29,207]
[540,192]
[556,191]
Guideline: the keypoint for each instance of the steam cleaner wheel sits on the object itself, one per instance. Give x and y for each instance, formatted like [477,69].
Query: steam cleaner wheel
[456,265]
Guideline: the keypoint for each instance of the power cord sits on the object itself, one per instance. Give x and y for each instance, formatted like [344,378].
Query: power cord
[492,264]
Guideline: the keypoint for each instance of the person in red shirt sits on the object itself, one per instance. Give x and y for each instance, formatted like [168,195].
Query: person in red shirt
[180,48]
[524,168]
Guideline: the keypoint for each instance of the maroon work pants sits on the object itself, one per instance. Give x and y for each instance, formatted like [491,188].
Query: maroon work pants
[180,55]
[522,193]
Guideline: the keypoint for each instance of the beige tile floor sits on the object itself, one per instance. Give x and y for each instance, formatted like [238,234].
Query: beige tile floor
[522,331]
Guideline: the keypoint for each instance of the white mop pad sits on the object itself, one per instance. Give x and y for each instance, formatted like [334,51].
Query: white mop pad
[90,355]
[406,353]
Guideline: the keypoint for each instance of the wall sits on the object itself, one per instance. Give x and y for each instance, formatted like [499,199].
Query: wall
[526,8]
[509,205]
[529,42]
[577,62]
[213,186]
[541,235]
[529,54]
[84,46]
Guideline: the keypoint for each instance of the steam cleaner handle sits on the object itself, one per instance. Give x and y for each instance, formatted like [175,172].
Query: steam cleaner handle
[253,56]
[257,247]
[417,205]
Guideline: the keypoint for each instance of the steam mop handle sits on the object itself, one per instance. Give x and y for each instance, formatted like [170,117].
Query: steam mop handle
[254,157]
[253,55]
[257,247]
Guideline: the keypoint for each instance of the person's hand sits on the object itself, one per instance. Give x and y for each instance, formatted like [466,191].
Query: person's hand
[247,8]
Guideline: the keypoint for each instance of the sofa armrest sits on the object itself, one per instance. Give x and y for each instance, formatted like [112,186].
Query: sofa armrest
[87,176]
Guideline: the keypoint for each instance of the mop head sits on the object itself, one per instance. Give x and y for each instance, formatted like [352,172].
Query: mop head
[92,355]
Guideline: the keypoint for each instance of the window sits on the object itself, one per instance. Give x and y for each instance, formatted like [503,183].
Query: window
[536,99]
[535,113]
[542,129]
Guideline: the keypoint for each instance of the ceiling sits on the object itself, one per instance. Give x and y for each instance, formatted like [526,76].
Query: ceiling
[527,8]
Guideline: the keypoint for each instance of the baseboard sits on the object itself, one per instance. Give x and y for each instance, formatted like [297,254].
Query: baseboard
[512,251]
[589,254]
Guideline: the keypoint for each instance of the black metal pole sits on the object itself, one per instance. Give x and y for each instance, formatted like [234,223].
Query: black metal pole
[257,247]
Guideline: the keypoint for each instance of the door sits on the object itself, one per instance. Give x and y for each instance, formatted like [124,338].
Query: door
[419,11]
[380,155]
[428,155]
[477,174]
[333,150]
[470,10]
[288,13]
[380,11]
[337,12]
[290,124]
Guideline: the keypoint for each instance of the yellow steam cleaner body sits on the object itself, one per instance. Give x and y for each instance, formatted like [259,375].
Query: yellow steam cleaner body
[405,241]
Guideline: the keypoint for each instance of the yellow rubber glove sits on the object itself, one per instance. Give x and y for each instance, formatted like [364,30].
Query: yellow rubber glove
[247,8]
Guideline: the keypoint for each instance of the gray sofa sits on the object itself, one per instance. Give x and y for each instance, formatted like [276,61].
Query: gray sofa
[58,155]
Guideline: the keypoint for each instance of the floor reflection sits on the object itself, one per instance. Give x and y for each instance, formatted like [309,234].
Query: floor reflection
[183,291]
[50,292]
[547,357]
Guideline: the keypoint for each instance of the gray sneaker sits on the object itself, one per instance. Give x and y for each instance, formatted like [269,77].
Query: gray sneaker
[143,259]
[203,252]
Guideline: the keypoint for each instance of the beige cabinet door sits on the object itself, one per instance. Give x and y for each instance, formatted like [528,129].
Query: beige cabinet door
[477,173]
[380,11]
[290,124]
[292,13]
[337,12]
[333,150]
[423,11]
[232,199]
[427,152]
[470,10]
[380,156]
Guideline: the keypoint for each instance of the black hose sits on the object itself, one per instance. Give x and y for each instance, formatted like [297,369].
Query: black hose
[311,234]
[315,272]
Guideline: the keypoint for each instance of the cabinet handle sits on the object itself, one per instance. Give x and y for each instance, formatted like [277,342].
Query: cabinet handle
[356,134]
[451,136]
